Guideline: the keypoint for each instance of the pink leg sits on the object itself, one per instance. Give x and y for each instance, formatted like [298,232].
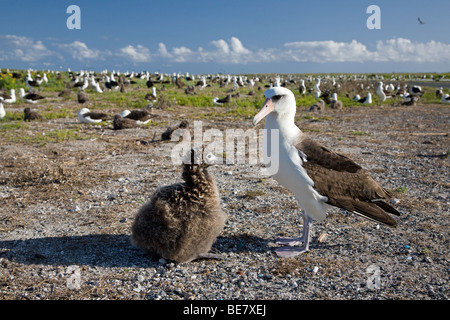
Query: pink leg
[292,249]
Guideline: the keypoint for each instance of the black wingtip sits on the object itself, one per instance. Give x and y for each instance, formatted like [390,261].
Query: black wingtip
[376,211]
[387,207]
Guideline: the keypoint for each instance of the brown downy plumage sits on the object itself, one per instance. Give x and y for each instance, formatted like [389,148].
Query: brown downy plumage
[120,123]
[30,115]
[319,106]
[82,97]
[167,135]
[182,221]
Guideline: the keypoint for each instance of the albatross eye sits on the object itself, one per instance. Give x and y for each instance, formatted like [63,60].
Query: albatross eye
[276,98]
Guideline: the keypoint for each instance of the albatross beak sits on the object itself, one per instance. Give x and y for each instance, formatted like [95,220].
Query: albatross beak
[265,110]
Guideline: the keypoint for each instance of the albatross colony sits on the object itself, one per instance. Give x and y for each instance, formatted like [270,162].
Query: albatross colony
[315,175]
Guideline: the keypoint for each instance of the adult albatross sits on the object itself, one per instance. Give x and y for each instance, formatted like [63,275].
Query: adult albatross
[315,175]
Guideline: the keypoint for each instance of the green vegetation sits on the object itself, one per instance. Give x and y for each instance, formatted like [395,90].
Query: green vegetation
[12,116]
[11,125]
[254,193]
[50,113]
[51,136]
[170,97]
[400,190]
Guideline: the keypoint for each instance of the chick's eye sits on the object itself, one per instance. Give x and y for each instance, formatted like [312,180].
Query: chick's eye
[276,98]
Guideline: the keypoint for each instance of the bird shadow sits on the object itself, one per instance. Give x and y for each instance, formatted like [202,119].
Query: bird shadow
[105,250]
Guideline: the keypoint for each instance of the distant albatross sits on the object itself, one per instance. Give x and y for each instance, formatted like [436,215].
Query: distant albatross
[141,116]
[86,116]
[9,98]
[316,175]
[30,97]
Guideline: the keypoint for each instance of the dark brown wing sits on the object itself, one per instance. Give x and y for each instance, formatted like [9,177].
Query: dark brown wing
[346,184]
[5,96]
[33,96]
[142,115]
[96,115]
[321,156]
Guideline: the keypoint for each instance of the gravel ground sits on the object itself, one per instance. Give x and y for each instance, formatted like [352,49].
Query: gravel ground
[67,209]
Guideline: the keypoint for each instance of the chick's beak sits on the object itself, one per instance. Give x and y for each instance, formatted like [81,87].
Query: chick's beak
[265,110]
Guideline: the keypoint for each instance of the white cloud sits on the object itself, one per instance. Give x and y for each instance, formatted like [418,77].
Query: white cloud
[14,47]
[326,51]
[233,51]
[136,54]
[162,50]
[401,49]
[221,45]
[237,47]
[80,51]
[183,54]
[393,50]
[221,52]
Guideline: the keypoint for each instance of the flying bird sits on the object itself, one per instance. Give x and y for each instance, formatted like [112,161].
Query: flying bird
[316,175]
[420,21]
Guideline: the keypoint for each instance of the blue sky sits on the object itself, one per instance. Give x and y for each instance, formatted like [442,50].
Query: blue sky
[227,36]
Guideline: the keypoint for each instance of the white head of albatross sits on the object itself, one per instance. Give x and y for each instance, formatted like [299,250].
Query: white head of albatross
[86,116]
[314,174]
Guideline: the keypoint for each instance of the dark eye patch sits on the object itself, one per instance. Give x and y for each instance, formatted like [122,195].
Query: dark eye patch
[276,98]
